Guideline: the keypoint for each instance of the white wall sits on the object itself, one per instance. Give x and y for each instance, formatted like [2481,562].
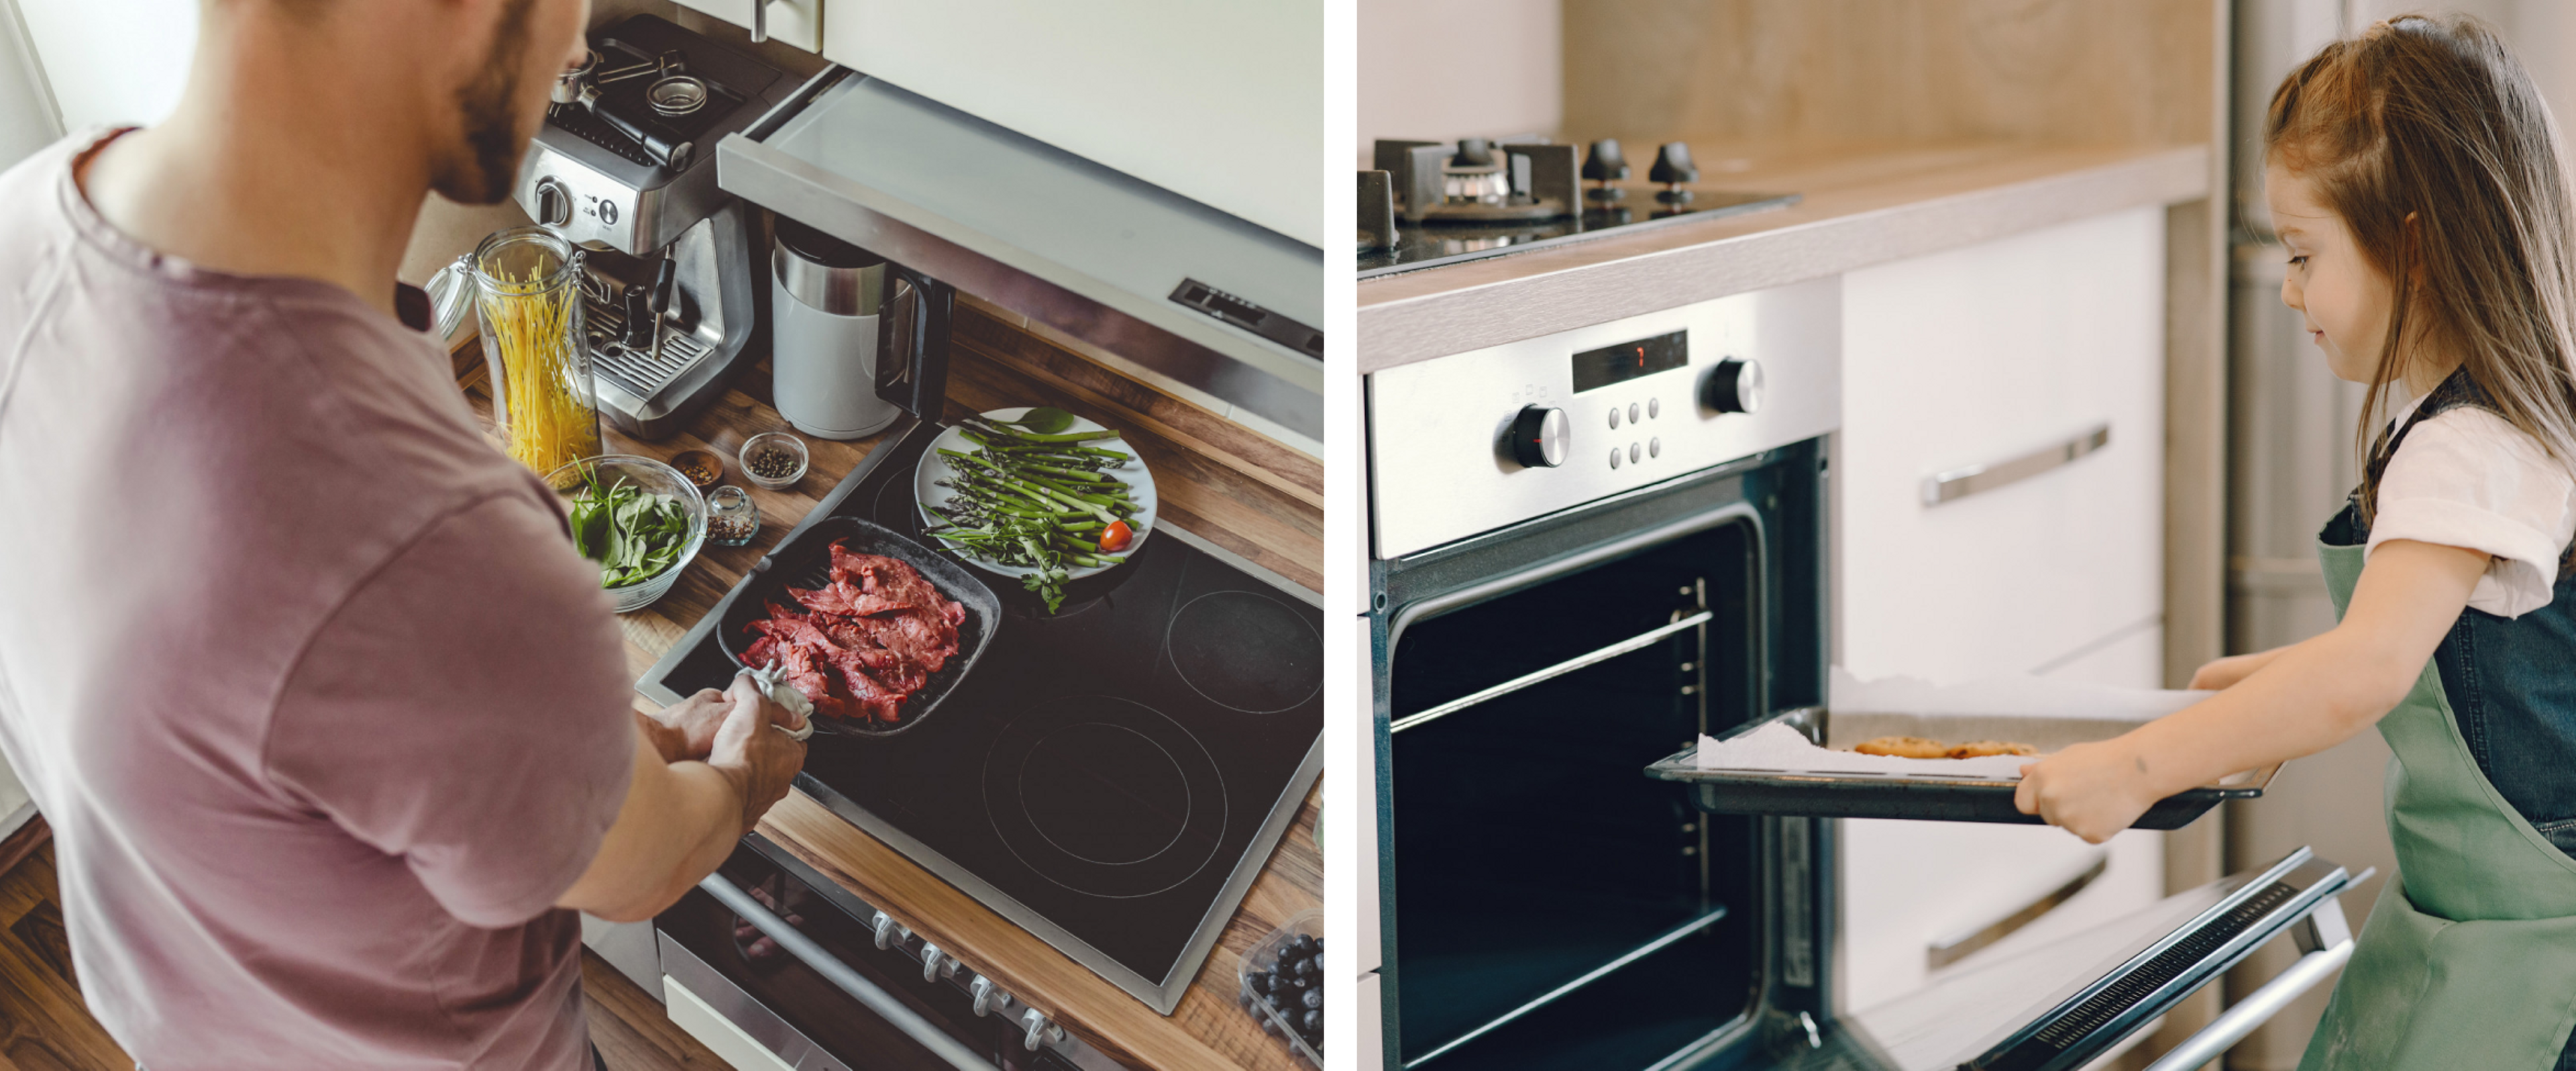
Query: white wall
[113,61]
[1437,70]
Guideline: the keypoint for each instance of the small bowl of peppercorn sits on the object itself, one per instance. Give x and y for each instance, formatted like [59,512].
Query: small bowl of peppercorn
[702,467]
[774,460]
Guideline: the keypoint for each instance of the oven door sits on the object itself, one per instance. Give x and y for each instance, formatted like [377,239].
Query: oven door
[1541,904]
[771,968]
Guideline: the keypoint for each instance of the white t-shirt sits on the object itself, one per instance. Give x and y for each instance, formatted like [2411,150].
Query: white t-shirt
[2467,478]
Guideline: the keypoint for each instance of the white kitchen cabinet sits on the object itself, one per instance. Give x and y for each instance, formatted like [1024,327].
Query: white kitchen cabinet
[794,22]
[1974,356]
[1220,103]
[1978,355]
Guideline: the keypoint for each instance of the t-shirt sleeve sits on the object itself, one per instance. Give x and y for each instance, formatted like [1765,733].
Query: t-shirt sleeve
[2467,478]
[466,709]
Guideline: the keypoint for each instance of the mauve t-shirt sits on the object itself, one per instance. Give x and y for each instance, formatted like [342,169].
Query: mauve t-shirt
[323,708]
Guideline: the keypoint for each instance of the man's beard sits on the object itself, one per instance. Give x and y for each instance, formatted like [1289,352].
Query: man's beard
[488,106]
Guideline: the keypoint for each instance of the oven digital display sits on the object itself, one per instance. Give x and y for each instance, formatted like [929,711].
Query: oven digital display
[1628,360]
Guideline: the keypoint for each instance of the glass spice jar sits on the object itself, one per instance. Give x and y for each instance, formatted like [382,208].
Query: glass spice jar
[732,519]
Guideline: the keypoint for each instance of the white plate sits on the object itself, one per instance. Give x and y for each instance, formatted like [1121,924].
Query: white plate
[933,468]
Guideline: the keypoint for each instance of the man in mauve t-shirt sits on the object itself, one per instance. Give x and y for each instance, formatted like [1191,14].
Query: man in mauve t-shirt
[331,723]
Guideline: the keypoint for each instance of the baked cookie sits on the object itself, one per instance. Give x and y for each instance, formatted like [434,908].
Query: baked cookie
[1904,747]
[1982,748]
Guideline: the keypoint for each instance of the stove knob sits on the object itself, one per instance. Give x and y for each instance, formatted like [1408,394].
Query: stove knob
[890,934]
[1606,162]
[1673,164]
[1037,1030]
[936,964]
[1538,437]
[554,203]
[1734,387]
[989,998]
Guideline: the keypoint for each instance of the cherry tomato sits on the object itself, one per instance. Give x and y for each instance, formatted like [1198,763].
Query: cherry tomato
[1116,537]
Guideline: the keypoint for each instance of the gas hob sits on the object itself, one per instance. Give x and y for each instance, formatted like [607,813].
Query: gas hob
[1431,203]
[1111,778]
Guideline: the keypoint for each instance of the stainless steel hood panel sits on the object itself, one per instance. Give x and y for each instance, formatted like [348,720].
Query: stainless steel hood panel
[1065,241]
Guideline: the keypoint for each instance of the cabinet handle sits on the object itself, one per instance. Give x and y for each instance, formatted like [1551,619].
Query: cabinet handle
[1962,482]
[1956,947]
[842,977]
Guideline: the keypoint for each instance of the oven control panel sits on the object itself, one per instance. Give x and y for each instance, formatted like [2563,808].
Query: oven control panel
[1475,441]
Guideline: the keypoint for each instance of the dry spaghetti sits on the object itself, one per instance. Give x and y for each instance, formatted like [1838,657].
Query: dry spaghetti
[531,322]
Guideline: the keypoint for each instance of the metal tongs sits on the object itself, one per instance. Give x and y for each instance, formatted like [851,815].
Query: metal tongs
[674,92]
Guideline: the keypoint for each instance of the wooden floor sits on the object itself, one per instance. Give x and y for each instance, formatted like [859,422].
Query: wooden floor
[43,1026]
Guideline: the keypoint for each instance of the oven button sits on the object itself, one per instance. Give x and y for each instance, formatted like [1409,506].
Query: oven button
[1734,387]
[1614,457]
[989,998]
[1538,437]
[1654,407]
[1633,453]
[1614,417]
[1655,447]
[1632,412]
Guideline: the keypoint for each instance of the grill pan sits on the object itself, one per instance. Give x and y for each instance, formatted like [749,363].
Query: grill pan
[805,561]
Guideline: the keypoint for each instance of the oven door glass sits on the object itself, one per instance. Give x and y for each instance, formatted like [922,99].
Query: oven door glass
[1552,907]
[837,1024]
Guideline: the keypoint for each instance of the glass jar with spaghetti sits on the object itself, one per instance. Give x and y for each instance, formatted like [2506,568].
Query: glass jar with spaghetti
[527,283]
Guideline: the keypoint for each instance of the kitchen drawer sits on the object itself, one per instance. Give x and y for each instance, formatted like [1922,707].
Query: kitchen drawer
[1364,815]
[1368,1028]
[1909,886]
[794,22]
[1976,356]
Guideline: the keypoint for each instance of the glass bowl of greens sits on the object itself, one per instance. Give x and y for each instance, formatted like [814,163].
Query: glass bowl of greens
[638,519]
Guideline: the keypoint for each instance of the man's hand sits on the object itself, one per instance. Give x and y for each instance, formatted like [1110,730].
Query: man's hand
[687,729]
[760,760]
[2091,790]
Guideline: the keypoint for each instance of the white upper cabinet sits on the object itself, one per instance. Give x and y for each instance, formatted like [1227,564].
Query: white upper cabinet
[1221,103]
[794,22]
[112,62]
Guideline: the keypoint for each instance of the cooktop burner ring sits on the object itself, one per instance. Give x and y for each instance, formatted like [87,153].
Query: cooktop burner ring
[1137,829]
[1245,621]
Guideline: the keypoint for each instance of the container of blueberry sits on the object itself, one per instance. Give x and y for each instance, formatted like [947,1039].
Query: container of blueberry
[1283,985]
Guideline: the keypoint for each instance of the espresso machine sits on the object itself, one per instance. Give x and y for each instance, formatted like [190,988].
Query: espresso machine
[675,269]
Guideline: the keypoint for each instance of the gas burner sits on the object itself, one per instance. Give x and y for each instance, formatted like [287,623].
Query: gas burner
[1205,641]
[1105,796]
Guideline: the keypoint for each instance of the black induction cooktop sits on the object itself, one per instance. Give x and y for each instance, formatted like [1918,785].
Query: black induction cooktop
[1111,777]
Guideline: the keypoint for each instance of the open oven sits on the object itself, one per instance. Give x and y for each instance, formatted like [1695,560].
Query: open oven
[1589,550]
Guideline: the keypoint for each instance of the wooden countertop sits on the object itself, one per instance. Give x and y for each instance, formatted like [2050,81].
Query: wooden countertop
[1862,205]
[1216,479]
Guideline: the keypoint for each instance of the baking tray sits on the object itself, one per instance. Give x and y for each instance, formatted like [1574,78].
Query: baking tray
[1920,796]
[805,561]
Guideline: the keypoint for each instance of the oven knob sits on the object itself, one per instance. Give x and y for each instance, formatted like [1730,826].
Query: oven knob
[936,964]
[1538,437]
[1038,1031]
[1734,387]
[554,203]
[890,934]
[989,998]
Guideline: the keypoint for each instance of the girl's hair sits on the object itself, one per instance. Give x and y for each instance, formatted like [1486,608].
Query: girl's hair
[2431,117]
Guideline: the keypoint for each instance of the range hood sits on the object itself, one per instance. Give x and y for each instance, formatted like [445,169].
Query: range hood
[1207,298]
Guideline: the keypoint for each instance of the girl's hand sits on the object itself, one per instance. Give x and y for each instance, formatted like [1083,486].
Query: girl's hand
[2091,790]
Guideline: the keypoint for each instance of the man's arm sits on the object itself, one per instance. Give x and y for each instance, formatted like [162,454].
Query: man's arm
[682,816]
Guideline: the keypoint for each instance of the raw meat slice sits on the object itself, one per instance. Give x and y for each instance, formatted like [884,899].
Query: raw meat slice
[864,642]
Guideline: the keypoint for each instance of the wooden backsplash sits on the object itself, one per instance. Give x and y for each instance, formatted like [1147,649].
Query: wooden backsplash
[1804,71]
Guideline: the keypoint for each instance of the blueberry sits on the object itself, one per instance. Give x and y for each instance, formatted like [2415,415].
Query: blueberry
[1306,968]
[1319,962]
[1314,1023]
[1314,998]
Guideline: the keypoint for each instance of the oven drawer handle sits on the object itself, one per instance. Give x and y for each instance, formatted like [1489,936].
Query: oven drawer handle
[1962,482]
[1626,646]
[839,974]
[2256,1009]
